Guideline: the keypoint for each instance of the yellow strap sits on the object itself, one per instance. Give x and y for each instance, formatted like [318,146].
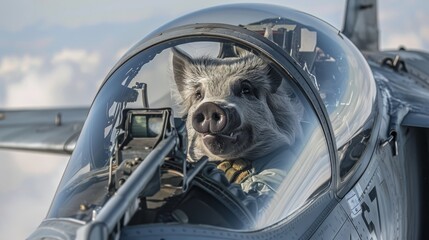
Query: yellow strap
[235,170]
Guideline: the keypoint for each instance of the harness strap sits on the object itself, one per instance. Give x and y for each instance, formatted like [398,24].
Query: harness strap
[235,170]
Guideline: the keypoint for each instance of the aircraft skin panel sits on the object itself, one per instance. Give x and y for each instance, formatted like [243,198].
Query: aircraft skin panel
[347,231]
[375,205]
[416,120]
[387,192]
[46,130]
[403,75]
[332,225]
[365,214]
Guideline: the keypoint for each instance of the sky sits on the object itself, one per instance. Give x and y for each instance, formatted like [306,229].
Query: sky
[56,54]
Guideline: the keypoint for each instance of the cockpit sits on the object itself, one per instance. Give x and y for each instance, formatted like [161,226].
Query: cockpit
[236,112]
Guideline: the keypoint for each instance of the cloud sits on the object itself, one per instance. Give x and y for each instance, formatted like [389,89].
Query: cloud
[39,88]
[86,61]
[72,14]
[78,13]
[29,181]
[66,80]
[20,165]
[13,64]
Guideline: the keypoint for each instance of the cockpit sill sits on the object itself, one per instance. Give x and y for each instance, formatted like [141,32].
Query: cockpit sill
[69,228]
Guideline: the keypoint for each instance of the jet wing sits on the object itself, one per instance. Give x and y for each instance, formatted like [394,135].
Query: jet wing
[45,130]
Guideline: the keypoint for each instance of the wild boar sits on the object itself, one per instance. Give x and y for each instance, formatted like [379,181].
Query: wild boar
[236,107]
[239,110]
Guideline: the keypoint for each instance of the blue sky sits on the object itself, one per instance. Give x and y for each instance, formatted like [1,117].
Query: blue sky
[56,53]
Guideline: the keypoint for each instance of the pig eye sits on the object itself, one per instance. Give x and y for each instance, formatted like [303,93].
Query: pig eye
[198,95]
[247,89]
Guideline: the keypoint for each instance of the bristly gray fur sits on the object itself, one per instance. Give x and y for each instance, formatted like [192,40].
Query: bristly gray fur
[274,116]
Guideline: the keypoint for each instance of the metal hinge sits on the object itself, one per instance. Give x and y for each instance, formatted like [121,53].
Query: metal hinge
[391,139]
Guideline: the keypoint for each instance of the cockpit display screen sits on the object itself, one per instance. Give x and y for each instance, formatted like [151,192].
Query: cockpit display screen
[147,125]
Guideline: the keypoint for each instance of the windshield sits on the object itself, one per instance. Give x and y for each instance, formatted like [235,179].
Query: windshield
[260,133]
[335,66]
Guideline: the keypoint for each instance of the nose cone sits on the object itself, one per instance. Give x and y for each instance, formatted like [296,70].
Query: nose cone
[209,118]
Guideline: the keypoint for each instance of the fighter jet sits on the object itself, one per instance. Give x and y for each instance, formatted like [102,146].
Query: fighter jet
[330,134]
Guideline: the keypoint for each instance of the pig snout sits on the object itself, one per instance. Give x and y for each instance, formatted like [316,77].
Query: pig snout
[211,118]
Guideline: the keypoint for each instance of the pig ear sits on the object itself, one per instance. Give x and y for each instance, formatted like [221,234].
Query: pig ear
[241,52]
[275,77]
[228,50]
[180,62]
